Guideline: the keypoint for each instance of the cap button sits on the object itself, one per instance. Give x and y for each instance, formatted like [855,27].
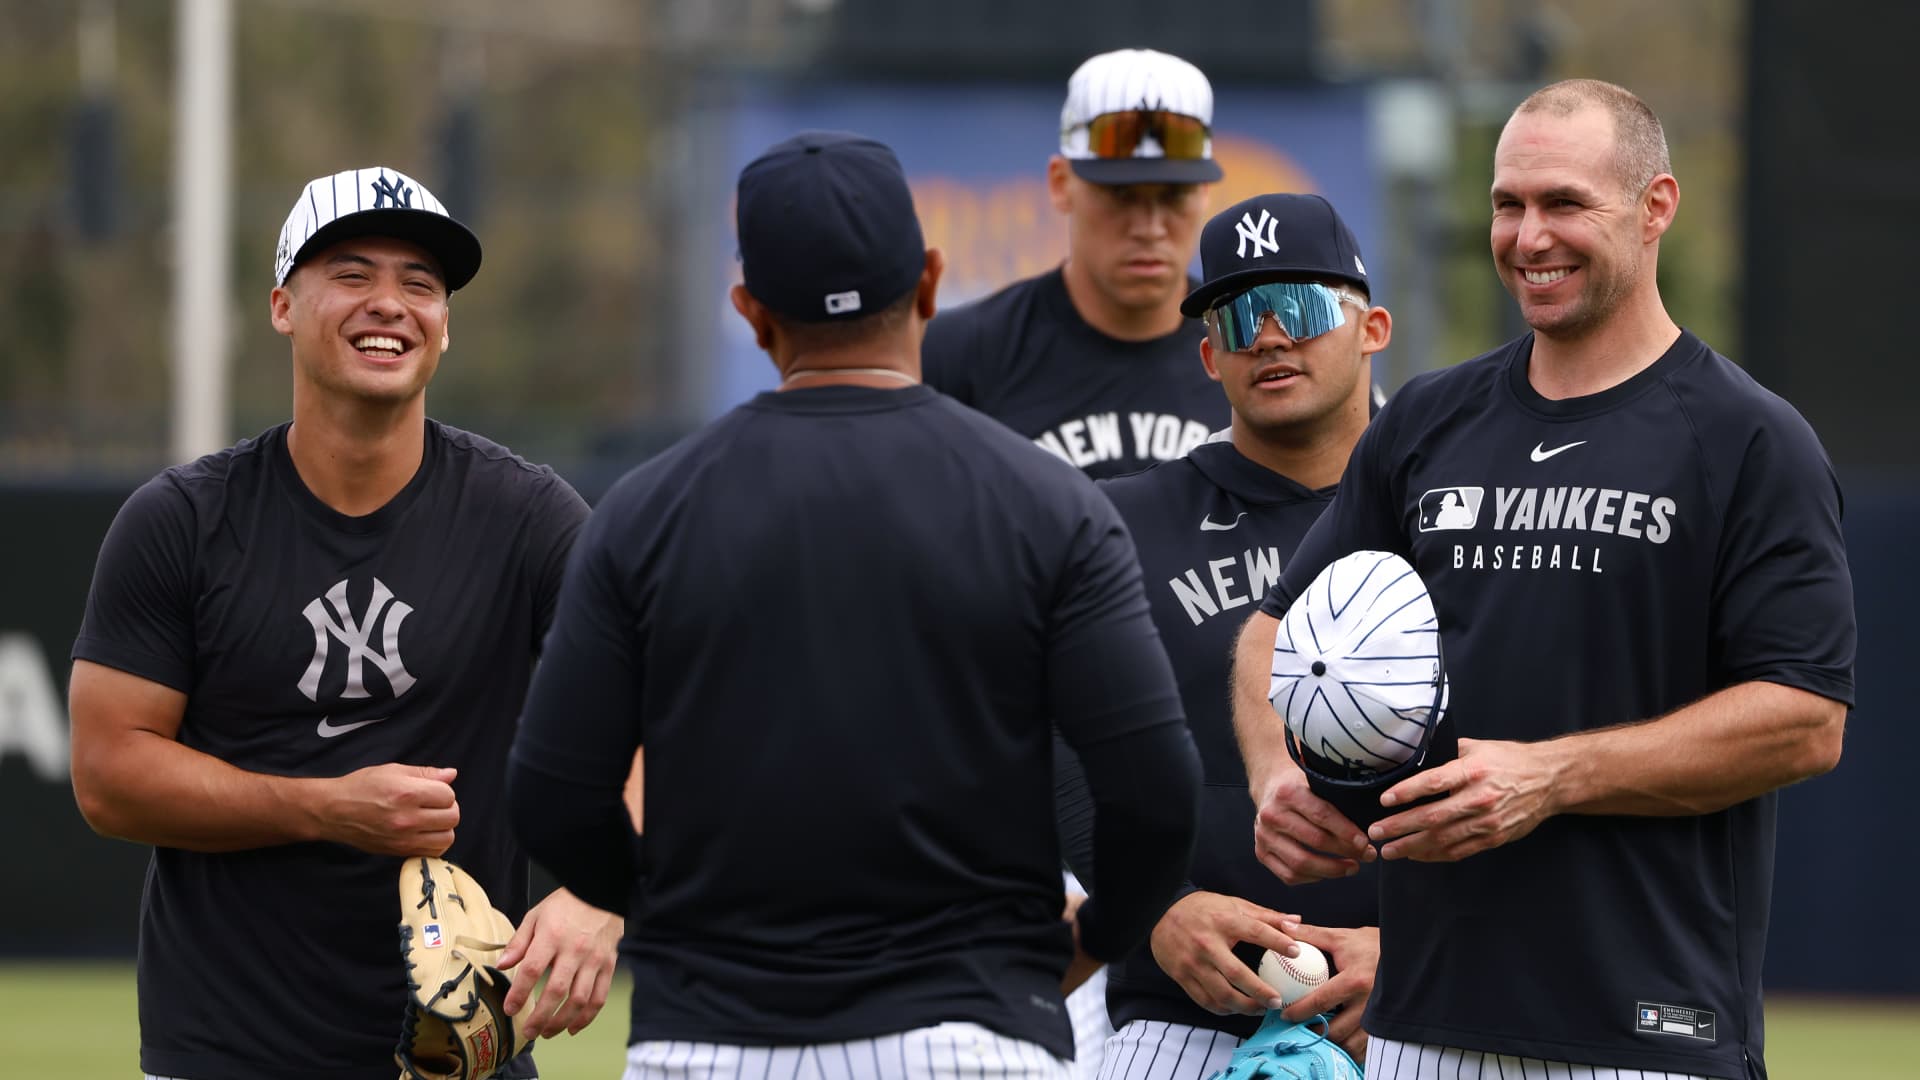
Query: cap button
[1319,667]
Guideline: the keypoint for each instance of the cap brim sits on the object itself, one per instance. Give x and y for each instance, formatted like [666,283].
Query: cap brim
[1360,802]
[1202,298]
[451,244]
[1146,170]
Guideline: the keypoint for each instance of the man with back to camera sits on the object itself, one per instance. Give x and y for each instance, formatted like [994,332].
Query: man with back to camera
[843,620]
[1290,333]
[1093,360]
[286,666]
[1635,554]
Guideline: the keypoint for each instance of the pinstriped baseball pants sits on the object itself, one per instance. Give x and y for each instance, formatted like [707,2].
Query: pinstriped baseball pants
[1157,1050]
[1389,1060]
[950,1051]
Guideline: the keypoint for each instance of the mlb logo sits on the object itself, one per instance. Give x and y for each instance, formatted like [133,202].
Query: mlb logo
[430,934]
[842,302]
[1450,508]
[1650,1016]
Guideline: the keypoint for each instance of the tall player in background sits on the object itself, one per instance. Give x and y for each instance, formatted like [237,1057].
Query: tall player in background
[1093,360]
[303,657]
[1635,554]
[850,868]
[1290,336]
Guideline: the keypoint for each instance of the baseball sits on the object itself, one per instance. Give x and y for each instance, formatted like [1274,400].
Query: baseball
[1294,976]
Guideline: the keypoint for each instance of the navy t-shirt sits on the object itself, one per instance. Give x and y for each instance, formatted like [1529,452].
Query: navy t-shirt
[1213,530]
[1025,357]
[841,621]
[1596,561]
[310,643]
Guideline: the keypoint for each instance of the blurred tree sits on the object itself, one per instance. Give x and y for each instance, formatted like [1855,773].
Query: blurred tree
[553,125]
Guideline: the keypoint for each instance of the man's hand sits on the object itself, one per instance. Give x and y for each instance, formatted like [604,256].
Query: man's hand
[1296,834]
[1494,793]
[1354,954]
[391,809]
[1193,942]
[1300,836]
[572,943]
[1083,966]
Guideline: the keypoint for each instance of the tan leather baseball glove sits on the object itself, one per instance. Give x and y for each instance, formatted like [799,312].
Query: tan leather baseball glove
[455,1026]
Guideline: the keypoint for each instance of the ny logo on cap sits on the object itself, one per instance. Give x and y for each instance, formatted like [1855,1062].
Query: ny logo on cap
[1251,230]
[390,191]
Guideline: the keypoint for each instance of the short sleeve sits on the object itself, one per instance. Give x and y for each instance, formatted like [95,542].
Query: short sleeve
[1107,672]
[139,615]
[1783,596]
[1362,517]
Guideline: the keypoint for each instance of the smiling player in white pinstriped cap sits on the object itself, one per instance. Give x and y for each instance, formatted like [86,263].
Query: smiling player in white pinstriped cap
[288,674]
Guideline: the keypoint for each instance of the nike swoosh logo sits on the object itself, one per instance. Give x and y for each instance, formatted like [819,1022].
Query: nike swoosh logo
[328,729]
[1704,1024]
[1541,453]
[1207,524]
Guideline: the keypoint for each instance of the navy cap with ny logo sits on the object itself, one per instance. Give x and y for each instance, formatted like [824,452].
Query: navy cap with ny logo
[1275,237]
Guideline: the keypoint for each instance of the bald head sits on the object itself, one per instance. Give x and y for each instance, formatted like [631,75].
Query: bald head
[1639,143]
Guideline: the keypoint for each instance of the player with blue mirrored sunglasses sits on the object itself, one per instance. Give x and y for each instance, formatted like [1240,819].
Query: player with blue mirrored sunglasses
[1304,310]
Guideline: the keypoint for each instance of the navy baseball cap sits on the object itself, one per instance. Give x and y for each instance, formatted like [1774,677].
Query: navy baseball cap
[1277,237]
[827,227]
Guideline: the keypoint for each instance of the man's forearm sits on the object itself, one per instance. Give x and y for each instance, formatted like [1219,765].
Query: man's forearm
[152,790]
[1724,749]
[1146,792]
[1260,731]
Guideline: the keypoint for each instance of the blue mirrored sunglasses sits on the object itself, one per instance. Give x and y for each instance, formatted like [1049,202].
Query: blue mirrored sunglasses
[1304,310]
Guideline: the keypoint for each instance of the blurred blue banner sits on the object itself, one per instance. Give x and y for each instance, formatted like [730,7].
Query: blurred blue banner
[976,157]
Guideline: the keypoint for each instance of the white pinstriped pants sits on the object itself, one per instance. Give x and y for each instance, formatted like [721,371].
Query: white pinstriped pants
[1087,1011]
[1158,1050]
[955,1050]
[1389,1060]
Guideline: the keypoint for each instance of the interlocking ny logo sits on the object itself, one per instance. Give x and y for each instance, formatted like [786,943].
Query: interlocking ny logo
[1251,230]
[383,612]
[387,191]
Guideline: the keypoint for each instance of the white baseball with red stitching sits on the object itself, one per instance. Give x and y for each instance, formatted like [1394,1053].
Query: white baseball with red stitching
[1294,976]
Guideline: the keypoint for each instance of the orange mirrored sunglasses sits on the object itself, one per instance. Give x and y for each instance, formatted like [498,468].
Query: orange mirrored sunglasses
[1119,134]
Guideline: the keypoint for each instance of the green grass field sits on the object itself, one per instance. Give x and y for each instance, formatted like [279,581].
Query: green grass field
[76,1022]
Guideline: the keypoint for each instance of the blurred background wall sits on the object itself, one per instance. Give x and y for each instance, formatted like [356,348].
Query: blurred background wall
[593,145]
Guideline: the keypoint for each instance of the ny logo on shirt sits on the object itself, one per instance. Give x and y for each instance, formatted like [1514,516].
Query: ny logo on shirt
[384,614]
[1258,233]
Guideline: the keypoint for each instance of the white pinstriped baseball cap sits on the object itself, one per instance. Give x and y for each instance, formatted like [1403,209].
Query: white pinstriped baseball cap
[1137,116]
[1360,679]
[1357,667]
[375,201]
